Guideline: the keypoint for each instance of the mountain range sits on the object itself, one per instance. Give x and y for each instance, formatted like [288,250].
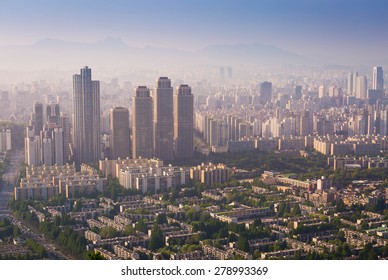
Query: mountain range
[114,53]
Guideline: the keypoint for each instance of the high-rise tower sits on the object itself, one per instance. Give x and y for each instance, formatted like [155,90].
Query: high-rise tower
[350,84]
[183,122]
[163,119]
[65,124]
[119,132]
[142,124]
[265,92]
[38,117]
[53,115]
[361,87]
[86,117]
[378,78]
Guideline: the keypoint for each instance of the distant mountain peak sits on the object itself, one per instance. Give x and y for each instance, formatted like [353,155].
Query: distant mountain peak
[112,41]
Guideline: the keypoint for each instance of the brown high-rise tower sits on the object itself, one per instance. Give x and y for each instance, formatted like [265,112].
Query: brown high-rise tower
[119,132]
[183,122]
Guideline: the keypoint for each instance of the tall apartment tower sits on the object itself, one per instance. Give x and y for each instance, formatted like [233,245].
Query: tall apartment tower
[65,124]
[355,75]
[119,132]
[183,122]
[86,117]
[305,121]
[38,117]
[142,124]
[58,147]
[163,119]
[322,91]
[378,78]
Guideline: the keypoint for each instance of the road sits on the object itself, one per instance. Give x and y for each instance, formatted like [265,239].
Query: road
[9,179]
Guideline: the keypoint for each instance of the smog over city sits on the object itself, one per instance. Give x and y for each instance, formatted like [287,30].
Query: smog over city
[194,130]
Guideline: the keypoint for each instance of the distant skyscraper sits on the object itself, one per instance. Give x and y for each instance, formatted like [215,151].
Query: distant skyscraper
[65,124]
[350,84]
[222,74]
[183,122]
[38,117]
[305,123]
[230,73]
[142,124]
[119,132]
[86,117]
[31,147]
[163,119]
[297,94]
[378,78]
[47,151]
[265,92]
[361,87]
[57,137]
[355,75]
[53,115]
[322,92]
[383,129]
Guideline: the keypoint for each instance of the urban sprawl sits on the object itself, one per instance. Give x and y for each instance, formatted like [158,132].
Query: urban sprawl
[296,168]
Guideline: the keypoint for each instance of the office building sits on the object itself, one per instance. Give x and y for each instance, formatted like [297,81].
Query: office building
[163,119]
[183,122]
[378,78]
[142,124]
[86,117]
[119,132]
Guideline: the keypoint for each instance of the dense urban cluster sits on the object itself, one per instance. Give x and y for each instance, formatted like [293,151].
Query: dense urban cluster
[289,169]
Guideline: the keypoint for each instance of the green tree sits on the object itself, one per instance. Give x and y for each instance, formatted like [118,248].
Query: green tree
[296,210]
[232,238]
[161,219]
[243,244]
[109,232]
[157,239]
[141,226]
[223,232]
[95,256]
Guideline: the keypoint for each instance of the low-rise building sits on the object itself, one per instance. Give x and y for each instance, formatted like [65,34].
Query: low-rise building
[210,174]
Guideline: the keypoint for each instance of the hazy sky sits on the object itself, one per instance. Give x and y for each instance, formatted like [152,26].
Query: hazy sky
[321,27]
